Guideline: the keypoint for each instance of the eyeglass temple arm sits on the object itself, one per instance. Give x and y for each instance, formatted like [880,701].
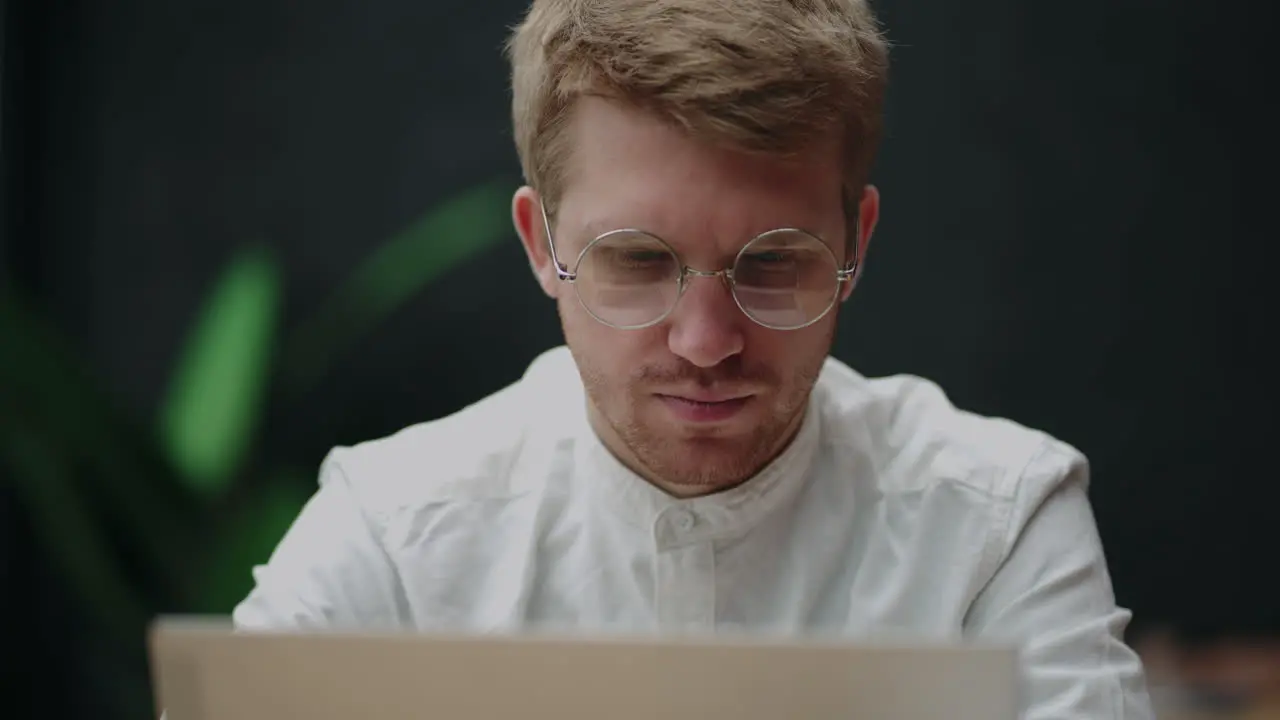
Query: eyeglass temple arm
[850,273]
[561,271]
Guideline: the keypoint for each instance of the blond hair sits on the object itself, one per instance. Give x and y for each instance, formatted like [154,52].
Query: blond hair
[765,76]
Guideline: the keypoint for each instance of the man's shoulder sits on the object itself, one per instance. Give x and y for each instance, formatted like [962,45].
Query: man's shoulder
[915,439]
[472,454]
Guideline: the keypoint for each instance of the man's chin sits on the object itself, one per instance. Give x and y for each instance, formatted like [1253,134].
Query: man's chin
[703,463]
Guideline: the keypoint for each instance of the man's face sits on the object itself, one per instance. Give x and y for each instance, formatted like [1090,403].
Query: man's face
[704,399]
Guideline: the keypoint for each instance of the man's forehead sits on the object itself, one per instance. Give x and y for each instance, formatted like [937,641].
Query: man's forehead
[675,209]
[626,170]
[610,142]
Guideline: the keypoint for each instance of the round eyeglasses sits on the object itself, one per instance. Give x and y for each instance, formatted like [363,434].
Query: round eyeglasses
[783,279]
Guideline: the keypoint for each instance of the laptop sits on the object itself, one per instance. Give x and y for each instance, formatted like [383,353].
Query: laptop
[204,670]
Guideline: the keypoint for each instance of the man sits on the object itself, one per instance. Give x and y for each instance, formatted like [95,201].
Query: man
[698,207]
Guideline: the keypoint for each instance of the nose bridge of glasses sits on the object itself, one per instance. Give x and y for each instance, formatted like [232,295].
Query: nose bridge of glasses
[724,273]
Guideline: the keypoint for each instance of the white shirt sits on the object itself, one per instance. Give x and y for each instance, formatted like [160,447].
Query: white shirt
[891,512]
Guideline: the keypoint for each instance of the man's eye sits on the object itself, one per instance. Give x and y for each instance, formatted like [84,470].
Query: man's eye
[769,259]
[641,257]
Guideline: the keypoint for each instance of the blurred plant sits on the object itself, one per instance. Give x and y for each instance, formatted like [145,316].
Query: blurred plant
[137,518]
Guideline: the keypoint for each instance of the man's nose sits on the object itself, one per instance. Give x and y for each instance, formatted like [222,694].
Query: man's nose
[706,325]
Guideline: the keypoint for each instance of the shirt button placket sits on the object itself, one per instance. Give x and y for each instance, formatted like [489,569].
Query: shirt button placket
[685,572]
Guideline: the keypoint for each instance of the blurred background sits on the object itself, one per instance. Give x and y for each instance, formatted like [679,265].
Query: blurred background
[238,233]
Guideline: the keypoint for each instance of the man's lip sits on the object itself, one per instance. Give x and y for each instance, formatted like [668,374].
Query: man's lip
[705,397]
[704,412]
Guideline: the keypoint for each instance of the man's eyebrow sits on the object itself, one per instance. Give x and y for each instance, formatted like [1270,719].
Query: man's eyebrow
[593,228]
[596,227]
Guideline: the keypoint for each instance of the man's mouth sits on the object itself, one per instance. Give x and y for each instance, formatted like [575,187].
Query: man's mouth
[704,407]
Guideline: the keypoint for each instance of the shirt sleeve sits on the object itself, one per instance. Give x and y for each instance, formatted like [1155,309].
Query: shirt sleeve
[1053,596]
[328,572]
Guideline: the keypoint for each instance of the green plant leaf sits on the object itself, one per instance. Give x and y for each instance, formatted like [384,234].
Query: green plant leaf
[68,531]
[116,470]
[213,403]
[247,536]
[436,243]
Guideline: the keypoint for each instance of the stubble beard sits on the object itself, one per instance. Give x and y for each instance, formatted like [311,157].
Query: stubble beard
[686,462]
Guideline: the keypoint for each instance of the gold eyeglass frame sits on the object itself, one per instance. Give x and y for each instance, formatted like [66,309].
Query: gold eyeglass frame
[843,275]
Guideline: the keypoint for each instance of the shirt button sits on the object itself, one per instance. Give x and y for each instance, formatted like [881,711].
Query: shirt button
[683,520]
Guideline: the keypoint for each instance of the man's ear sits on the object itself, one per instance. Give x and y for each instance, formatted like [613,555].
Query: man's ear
[868,216]
[526,214]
